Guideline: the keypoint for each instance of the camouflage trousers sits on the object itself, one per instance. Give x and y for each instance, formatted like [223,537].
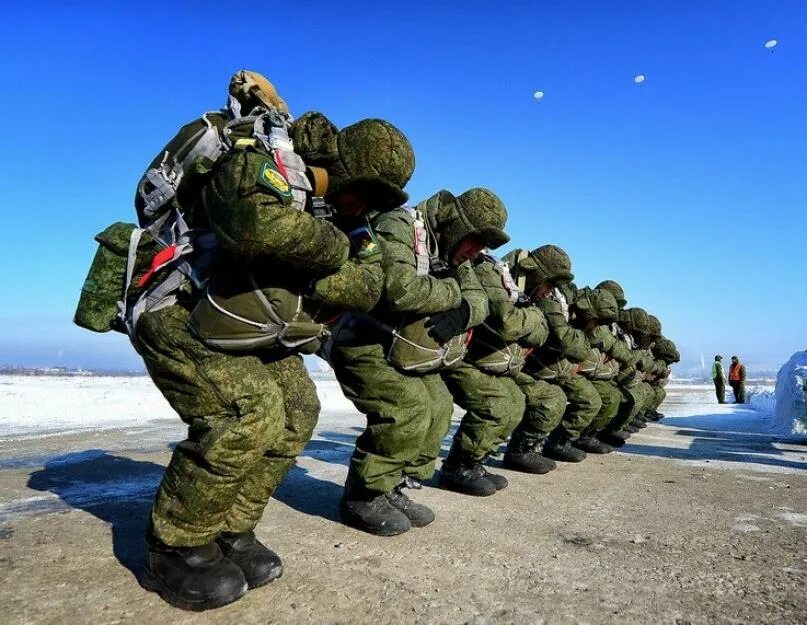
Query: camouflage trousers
[659,395]
[494,406]
[248,417]
[584,404]
[407,418]
[611,397]
[545,405]
[635,399]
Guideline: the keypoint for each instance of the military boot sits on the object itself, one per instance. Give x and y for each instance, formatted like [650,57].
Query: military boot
[615,439]
[527,457]
[630,428]
[372,513]
[639,423]
[192,578]
[499,481]
[259,564]
[466,475]
[559,447]
[418,514]
[590,443]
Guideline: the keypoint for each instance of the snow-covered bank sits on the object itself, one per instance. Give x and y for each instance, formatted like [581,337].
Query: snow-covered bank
[35,406]
[791,396]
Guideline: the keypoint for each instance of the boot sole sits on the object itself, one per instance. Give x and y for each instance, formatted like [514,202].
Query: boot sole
[472,493]
[528,469]
[252,584]
[152,583]
[373,529]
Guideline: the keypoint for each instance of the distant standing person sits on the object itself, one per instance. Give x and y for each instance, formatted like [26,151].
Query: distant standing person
[719,378]
[737,380]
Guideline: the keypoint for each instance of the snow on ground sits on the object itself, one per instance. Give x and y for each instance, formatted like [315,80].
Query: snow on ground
[36,406]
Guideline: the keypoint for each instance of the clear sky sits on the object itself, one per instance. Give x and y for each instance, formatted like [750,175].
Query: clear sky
[689,190]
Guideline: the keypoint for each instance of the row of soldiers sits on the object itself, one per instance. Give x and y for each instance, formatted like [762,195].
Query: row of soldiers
[262,238]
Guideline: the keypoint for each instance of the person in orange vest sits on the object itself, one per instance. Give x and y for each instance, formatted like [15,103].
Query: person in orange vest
[737,380]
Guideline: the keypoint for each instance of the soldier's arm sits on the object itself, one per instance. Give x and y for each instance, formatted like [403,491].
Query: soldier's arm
[356,286]
[572,342]
[253,218]
[524,324]
[405,291]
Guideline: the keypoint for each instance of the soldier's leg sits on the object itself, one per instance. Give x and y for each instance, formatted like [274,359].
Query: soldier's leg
[544,407]
[441,407]
[610,396]
[301,407]
[233,411]
[398,418]
[545,404]
[492,409]
[493,405]
[584,404]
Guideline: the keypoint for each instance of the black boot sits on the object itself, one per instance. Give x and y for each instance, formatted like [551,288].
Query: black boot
[465,475]
[527,457]
[259,564]
[592,445]
[418,514]
[372,513]
[499,481]
[614,438]
[192,578]
[639,423]
[630,428]
[559,447]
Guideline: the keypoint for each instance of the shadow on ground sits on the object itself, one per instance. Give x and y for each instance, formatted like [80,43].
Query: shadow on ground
[116,489]
[722,446]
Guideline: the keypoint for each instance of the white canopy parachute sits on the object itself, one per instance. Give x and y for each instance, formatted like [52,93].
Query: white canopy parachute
[538,95]
[771,44]
[639,79]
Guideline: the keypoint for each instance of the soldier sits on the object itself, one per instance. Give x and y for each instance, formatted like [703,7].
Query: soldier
[719,379]
[543,271]
[228,361]
[664,351]
[484,382]
[594,311]
[634,397]
[388,363]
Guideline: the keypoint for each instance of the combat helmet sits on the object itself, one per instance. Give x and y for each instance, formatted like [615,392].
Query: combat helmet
[654,326]
[477,212]
[371,157]
[616,290]
[596,304]
[635,321]
[250,90]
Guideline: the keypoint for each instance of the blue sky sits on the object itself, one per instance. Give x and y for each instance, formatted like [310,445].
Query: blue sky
[689,190]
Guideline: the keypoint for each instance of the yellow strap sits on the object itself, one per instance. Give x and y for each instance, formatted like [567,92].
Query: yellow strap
[319,180]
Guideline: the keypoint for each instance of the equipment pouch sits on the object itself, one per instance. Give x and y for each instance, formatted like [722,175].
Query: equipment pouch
[104,286]
[414,350]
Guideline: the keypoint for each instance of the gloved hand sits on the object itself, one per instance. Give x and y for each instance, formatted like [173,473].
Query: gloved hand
[446,325]
[439,267]
[523,300]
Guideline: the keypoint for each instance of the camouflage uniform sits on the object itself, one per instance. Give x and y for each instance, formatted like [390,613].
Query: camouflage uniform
[485,384]
[251,412]
[558,360]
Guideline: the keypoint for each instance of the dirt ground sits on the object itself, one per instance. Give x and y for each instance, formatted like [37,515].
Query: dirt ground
[683,526]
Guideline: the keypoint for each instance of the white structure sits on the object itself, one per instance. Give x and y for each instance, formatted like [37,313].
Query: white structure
[790,413]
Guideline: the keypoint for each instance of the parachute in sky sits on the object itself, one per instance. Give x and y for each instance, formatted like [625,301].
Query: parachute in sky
[771,44]
[538,95]
[639,79]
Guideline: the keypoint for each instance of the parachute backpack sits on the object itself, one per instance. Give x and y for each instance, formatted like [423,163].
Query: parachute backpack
[142,268]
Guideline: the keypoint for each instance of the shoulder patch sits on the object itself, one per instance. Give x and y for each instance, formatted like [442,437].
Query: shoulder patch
[270,177]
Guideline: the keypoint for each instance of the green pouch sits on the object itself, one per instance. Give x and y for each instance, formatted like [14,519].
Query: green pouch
[491,354]
[414,350]
[103,288]
[549,369]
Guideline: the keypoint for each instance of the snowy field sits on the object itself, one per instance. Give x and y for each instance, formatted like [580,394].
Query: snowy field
[697,430]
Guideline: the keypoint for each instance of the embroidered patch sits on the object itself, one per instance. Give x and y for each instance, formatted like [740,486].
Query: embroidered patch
[363,243]
[270,177]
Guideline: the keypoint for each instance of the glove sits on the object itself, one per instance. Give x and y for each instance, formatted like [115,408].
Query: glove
[523,300]
[438,267]
[445,326]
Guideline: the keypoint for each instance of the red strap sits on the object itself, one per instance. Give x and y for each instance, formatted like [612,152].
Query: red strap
[161,258]
[280,165]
